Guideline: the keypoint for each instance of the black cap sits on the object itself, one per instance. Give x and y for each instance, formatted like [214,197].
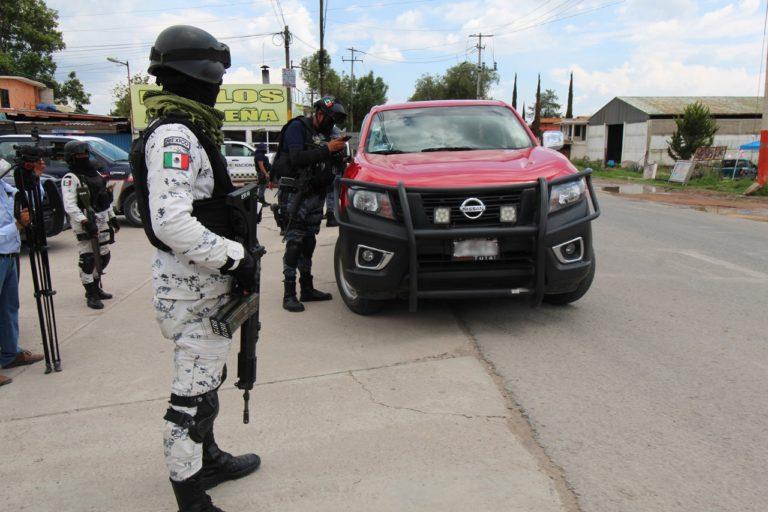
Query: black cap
[329,106]
[30,154]
[191,51]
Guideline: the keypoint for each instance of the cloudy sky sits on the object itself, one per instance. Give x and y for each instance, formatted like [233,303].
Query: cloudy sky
[613,47]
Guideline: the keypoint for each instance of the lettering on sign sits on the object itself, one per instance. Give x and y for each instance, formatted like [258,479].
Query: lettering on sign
[242,104]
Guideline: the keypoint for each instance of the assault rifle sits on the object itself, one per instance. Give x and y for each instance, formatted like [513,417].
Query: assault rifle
[242,311]
[84,198]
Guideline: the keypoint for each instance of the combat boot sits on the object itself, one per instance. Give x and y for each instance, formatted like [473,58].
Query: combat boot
[330,220]
[102,294]
[92,296]
[290,303]
[191,497]
[220,466]
[308,292]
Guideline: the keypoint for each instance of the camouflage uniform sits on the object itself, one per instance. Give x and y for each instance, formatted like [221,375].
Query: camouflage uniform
[188,285]
[88,274]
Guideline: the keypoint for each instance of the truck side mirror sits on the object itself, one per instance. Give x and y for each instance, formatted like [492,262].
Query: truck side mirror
[552,139]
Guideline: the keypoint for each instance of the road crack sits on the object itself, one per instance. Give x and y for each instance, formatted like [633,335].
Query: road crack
[419,411]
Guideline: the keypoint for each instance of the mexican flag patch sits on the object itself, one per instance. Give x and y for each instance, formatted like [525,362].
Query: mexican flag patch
[176,161]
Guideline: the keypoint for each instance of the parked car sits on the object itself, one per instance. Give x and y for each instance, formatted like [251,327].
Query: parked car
[739,168]
[110,160]
[457,199]
[240,161]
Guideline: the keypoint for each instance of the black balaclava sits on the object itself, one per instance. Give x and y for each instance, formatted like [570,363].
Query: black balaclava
[188,87]
[83,165]
[326,125]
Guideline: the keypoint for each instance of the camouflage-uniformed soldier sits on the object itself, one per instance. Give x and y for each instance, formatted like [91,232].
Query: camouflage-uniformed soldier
[301,157]
[183,181]
[103,225]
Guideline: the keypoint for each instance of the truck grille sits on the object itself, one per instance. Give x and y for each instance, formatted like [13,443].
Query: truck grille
[492,202]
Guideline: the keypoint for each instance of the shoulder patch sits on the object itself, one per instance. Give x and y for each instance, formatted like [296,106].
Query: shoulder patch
[177,141]
[66,182]
[175,161]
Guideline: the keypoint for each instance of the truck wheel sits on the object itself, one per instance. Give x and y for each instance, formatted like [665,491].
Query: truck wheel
[348,293]
[561,299]
[131,210]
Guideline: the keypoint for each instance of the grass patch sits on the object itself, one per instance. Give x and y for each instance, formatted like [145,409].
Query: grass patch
[724,186]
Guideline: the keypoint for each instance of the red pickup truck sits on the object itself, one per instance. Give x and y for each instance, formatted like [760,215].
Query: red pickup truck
[457,199]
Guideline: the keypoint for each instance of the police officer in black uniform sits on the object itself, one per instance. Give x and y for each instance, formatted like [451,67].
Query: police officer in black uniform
[303,161]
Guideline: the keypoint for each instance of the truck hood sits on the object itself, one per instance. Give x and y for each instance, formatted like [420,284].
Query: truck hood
[461,169]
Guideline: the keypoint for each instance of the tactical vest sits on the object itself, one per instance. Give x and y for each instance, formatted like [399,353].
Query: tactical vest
[101,198]
[213,212]
[282,166]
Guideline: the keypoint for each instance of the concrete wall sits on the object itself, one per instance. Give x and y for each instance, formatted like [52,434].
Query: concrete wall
[635,142]
[596,142]
[22,95]
[731,133]
[579,150]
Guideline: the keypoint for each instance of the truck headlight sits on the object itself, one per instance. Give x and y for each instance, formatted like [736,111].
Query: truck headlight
[375,203]
[566,194]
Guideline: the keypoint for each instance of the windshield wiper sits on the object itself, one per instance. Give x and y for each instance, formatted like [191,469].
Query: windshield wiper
[448,148]
[387,152]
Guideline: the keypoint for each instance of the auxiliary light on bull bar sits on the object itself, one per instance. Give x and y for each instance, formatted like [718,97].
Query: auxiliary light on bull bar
[442,215]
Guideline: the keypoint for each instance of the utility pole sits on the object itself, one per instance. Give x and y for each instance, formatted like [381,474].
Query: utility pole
[480,49]
[322,51]
[128,72]
[762,159]
[352,61]
[288,88]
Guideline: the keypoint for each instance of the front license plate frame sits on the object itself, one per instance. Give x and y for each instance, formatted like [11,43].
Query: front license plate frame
[476,249]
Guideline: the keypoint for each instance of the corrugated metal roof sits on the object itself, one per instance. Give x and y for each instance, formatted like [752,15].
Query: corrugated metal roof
[675,105]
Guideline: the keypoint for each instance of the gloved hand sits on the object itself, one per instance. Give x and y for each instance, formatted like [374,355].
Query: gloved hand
[90,227]
[114,224]
[244,273]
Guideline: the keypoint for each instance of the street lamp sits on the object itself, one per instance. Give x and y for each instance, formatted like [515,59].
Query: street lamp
[128,72]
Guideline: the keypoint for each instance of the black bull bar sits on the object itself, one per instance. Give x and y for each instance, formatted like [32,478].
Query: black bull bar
[538,229]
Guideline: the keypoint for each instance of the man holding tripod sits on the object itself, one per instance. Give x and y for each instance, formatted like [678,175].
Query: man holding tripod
[10,243]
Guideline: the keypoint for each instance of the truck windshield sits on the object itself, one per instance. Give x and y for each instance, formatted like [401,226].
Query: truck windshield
[463,128]
[108,150]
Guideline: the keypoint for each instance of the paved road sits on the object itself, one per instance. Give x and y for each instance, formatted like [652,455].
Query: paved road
[651,393]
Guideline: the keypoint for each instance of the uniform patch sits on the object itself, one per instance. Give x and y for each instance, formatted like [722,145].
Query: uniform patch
[175,161]
[177,141]
[66,182]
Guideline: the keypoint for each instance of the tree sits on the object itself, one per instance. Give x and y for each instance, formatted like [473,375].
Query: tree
[522,112]
[459,82]
[536,124]
[120,95]
[73,91]
[514,94]
[369,90]
[695,129]
[569,109]
[310,73]
[28,38]
[549,106]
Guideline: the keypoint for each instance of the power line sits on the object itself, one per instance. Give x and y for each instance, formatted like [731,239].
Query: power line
[352,61]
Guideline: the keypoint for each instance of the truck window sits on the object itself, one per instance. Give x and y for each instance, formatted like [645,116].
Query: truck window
[473,127]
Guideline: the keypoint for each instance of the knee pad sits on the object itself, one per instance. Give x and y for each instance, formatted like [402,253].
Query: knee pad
[105,260]
[87,262]
[308,246]
[293,249]
[199,425]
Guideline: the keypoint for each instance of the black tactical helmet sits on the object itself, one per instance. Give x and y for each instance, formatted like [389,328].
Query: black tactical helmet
[332,108]
[74,148]
[191,51]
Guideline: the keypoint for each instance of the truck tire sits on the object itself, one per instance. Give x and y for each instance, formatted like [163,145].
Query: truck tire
[561,299]
[131,210]
[348,294]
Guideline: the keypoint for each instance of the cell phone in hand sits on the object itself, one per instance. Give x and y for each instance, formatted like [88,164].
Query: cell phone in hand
[344,138]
